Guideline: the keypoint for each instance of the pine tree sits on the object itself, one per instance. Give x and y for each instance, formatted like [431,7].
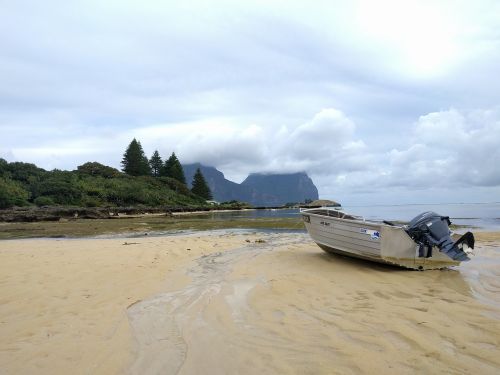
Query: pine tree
[200,186]
[173,168]
[156,164]
[135,162]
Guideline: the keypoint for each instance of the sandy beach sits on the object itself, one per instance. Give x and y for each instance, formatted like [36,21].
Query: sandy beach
[225,302]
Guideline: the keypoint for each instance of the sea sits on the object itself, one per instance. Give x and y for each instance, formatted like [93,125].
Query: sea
[477,216]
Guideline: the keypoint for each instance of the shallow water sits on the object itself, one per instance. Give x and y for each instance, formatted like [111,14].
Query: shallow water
[482,274]
[479,216]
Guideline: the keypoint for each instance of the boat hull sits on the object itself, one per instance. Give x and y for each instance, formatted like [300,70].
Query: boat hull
[367,240]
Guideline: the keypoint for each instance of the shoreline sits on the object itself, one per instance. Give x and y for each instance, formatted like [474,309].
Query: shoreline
[483,237]
[55,213]
[139,225]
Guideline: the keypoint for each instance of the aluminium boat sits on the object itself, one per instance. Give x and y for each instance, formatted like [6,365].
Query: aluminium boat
[424,243]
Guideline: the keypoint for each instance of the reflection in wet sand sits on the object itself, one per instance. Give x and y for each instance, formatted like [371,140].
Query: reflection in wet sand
[483,275]
[284,306]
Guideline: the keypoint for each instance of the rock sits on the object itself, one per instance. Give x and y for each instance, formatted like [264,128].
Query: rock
[266,190]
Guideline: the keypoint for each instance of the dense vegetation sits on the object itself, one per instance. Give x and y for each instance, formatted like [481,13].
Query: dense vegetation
[142,182]
[91,185]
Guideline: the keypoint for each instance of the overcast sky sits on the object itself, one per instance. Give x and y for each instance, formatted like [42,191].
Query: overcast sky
[378,101]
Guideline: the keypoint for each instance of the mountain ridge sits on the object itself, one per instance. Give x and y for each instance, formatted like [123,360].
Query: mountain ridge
[258,189]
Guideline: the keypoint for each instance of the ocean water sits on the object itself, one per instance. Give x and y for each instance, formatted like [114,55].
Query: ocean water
[478,216]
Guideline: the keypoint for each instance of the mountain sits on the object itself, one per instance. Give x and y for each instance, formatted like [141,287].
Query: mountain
[222,189]
[257,189]
[279,189]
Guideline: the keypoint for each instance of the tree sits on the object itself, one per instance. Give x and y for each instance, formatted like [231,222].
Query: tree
[98,169]
[173,169]
[12,193]
[135,162]
[4,167]
[60,186]
[25,173]
[156,164]
[200,186]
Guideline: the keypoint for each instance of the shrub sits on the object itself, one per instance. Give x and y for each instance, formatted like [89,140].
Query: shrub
[62,192]
[25,173]
[91,202]
[12,194]
[98,169]
[44,201]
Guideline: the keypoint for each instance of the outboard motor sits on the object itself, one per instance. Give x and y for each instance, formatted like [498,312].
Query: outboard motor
[430,229]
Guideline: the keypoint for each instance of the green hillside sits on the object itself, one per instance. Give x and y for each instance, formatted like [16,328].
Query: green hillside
[91,185]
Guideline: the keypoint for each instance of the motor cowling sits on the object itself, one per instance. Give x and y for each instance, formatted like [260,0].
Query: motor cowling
[430,229]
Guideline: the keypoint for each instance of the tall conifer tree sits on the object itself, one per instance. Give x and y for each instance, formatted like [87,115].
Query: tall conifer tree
[173,168]
[135,162]
[156,164]
[200,186]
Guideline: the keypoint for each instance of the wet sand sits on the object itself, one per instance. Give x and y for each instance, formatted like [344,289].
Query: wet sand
[222,303]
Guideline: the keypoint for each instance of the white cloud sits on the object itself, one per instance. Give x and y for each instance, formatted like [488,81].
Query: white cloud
[329,130]
[325,145]
[237,84]
[446,149]
[459,147]
[449,149]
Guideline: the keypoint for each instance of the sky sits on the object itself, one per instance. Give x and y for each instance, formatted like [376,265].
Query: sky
[380,102]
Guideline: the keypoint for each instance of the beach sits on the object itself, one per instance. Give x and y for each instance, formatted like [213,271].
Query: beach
[247,302]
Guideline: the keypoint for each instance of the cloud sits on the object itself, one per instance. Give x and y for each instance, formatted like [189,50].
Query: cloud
[326,144]
[446,149]
[214,142]
[452,148]
[240,85]
[449,149]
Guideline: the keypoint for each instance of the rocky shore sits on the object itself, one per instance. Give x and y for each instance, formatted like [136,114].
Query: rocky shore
[34,214]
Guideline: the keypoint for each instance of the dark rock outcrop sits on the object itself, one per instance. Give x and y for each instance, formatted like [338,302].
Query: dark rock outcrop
[270,190]
[279,189]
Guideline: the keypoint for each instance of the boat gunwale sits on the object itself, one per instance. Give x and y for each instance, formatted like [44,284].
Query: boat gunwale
[356,221]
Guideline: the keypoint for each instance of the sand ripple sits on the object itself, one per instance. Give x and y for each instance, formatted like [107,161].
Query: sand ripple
[284,306]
